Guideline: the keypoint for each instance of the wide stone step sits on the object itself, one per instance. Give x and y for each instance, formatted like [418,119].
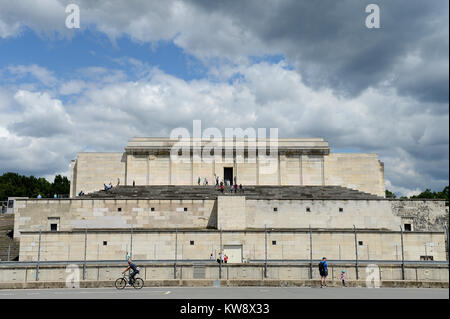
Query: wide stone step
[252,192]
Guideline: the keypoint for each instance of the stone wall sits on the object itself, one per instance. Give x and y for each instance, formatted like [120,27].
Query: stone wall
[278,271]
[327,214]
[233,213]
[92,170]
[423,215]
[363,172]
[70,214]
[199,244]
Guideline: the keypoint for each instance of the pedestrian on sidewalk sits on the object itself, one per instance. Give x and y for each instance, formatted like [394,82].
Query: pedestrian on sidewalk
[323,270]
[343,278]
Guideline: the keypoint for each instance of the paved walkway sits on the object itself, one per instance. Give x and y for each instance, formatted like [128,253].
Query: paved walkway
[228,293]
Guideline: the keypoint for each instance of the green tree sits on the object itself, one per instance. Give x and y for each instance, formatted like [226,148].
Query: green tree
[428,194]
[389,194]
[444,194]
[15,185]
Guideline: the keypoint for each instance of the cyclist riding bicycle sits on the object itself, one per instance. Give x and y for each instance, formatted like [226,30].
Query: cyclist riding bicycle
[134,273]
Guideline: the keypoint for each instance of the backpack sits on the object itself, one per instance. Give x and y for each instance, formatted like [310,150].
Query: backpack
[321,266]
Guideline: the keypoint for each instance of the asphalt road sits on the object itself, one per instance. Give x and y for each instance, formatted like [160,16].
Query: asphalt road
[227,293]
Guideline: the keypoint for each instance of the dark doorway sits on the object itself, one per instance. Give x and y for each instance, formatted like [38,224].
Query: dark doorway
[228,174]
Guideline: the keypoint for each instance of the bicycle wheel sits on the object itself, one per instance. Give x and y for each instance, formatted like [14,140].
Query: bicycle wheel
[120,283]
[138,283]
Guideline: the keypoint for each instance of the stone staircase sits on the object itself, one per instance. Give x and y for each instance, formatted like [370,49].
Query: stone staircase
[6,232]
[251,192]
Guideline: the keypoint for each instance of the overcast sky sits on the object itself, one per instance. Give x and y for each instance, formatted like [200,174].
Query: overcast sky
[309,68]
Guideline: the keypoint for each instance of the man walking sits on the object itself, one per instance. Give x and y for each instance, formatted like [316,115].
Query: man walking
[323,270]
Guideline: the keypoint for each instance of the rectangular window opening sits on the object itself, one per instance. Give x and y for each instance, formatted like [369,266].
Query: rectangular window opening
[426,258]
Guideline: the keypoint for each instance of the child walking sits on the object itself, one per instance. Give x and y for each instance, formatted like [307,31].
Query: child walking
[343,278]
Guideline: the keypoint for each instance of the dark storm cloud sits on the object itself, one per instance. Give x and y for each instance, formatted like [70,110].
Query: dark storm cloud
[327,41]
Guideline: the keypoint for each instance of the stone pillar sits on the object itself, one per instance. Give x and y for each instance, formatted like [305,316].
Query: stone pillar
[231,212]
[300,160]
[279,169]
[257,169]
[170,170]
[147,180]
[323,170]
[192,169]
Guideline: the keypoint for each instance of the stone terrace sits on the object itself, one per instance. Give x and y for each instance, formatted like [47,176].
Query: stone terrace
[250,192]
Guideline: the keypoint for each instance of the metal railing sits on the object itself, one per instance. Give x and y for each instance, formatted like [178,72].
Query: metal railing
[175,261]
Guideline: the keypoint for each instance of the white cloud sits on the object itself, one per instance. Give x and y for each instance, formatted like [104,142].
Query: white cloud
[8,30]
[43,75]
[72,87]
[327,43]
[42,116]
[402,191]
[104,115]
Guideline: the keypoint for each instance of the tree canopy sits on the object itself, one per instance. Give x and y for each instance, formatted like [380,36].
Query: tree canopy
[427,194]
[15,185]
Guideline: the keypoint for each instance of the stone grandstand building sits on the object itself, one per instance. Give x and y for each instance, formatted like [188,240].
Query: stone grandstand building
[298,162]
[311,198]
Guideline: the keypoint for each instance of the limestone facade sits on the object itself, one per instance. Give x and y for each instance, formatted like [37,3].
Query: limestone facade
[148,161]
[227,213]
[250,245]
[197,223]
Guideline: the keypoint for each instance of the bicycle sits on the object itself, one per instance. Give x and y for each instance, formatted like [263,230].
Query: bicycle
[122,282]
